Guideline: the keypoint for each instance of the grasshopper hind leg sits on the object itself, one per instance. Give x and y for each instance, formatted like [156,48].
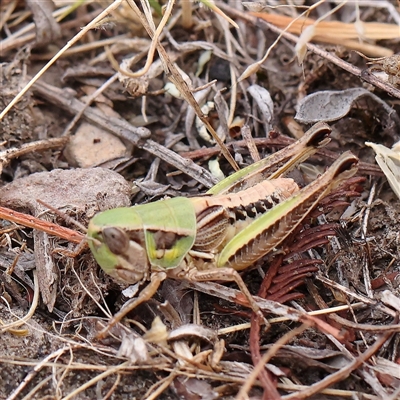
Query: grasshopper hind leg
[146,294]
[226,275]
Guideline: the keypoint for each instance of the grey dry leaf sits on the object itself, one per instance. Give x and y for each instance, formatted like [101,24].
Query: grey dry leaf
[223,114]
[179,299]
[331,105]
[152,188]
[47,271]
[255,6]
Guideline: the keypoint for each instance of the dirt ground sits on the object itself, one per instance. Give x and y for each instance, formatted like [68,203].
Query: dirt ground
[93,134]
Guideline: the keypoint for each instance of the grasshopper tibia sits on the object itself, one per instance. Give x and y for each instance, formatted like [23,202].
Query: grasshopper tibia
[226,275]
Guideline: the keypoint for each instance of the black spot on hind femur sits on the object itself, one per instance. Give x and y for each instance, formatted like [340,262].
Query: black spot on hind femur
[240,214]
[165,240]
[275,199]
[251,211]
[262,206]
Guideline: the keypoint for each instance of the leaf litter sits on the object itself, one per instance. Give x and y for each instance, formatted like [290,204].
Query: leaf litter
[332,309]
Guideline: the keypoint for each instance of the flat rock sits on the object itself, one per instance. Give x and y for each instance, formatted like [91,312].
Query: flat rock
[91,146]
[89,190]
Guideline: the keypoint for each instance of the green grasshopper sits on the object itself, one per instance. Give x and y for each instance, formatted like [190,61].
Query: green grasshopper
[212,237]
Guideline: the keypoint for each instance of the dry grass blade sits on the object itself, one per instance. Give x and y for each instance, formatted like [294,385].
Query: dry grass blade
[212,6]
[336,32]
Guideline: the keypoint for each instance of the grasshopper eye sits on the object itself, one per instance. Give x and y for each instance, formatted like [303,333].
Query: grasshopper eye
[116,240]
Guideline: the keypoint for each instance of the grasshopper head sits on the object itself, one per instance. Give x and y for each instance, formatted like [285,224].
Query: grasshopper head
[129,242]
[120,252]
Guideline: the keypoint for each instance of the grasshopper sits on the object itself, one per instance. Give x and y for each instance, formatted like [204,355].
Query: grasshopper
[212,237]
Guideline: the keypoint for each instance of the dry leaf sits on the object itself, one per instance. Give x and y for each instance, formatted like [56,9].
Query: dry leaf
[389,161]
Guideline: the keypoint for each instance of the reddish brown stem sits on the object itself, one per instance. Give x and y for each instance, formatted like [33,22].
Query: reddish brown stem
[44,226]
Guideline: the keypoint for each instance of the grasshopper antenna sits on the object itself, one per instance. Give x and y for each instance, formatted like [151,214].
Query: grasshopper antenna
[66,217]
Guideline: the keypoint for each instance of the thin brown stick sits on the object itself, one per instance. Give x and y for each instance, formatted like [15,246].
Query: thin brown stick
[44,226]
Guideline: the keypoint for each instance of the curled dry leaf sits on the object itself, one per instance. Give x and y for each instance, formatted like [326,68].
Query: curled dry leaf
[331,105]
[179,299]
[47,28]
[264,102]
[301,46]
